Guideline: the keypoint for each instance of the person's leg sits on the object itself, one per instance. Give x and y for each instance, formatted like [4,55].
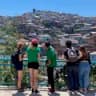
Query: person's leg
[35,79]
[19,79]
[81,75]
[75,77]
[86,77]
[69,78]
[31,78]
[52,78]
[48,70]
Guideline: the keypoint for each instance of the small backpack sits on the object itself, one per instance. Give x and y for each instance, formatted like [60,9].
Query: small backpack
[72,55]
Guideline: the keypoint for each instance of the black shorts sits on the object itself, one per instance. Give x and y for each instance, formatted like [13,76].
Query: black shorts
[34,65]
[18,66]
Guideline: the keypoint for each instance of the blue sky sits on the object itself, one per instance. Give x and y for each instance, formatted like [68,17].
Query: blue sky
[18,7]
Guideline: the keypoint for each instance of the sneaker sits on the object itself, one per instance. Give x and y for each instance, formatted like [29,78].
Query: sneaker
[76,92]
[36,91]
[85,91]
[81,91]
[71,93]
[32,90]
[51,90]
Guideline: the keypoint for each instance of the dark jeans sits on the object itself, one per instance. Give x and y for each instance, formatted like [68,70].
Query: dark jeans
[50,73]
[73,77]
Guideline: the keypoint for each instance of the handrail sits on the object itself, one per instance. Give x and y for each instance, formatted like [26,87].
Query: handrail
[7,73]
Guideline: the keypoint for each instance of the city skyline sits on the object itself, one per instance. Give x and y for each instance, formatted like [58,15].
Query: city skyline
[18,7]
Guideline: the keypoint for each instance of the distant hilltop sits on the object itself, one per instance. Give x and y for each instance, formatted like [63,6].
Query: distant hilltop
[49,22]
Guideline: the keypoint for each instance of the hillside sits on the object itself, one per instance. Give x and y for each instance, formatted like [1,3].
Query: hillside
[47,22]
[42,22]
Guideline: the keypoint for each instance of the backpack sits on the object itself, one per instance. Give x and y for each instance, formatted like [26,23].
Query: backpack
[72,55]
[14,57]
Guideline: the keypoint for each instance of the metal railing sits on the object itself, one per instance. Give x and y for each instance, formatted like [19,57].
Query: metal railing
[8,74]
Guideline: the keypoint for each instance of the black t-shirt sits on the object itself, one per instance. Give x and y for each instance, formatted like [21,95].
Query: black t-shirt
[87,58]
[15,57]
[66,56]
[19,52]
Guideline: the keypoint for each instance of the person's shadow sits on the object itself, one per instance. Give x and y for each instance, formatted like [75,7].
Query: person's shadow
[19,94]
[35,94]
[54,94]
[89,93]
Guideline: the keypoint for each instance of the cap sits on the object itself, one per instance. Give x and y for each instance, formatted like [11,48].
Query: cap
[34,41]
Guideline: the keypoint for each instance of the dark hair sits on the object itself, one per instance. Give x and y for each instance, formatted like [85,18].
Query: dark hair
[68,44]
[47,44]
[84,51]
[34,44]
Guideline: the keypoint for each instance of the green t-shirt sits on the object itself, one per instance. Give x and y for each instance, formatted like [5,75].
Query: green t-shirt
[32,54]
[51,55]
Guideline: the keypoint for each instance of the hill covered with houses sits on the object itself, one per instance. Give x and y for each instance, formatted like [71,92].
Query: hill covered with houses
[58,27]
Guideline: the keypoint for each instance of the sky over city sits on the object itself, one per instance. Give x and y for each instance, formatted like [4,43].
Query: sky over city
[18,7]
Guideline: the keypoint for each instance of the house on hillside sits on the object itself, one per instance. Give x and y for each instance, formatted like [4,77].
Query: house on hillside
[91,41]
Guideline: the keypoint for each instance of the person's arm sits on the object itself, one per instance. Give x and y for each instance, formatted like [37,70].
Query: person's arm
[65,56]
[26,51]
[89,58]
[50,57]
[49,61]
[80,55]
[39,58]
[77,52]
[20,57]
[38,50]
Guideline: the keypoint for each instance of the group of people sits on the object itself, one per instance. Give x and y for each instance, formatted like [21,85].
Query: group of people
[32,51]
[78,68]
[77,65]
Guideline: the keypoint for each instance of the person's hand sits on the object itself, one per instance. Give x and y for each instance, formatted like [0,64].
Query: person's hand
[46,64]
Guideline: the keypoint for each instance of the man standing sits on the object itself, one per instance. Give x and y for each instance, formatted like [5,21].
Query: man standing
[51,63]
[71,57]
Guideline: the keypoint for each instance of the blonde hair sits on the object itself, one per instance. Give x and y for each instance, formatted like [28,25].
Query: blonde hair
[22,40]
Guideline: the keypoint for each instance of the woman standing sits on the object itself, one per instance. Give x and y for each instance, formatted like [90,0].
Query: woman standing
[33,54]
[84,70]
[18,64]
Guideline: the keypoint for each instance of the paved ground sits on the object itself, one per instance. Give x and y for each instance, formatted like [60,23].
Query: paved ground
[28,93]
[43,93]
